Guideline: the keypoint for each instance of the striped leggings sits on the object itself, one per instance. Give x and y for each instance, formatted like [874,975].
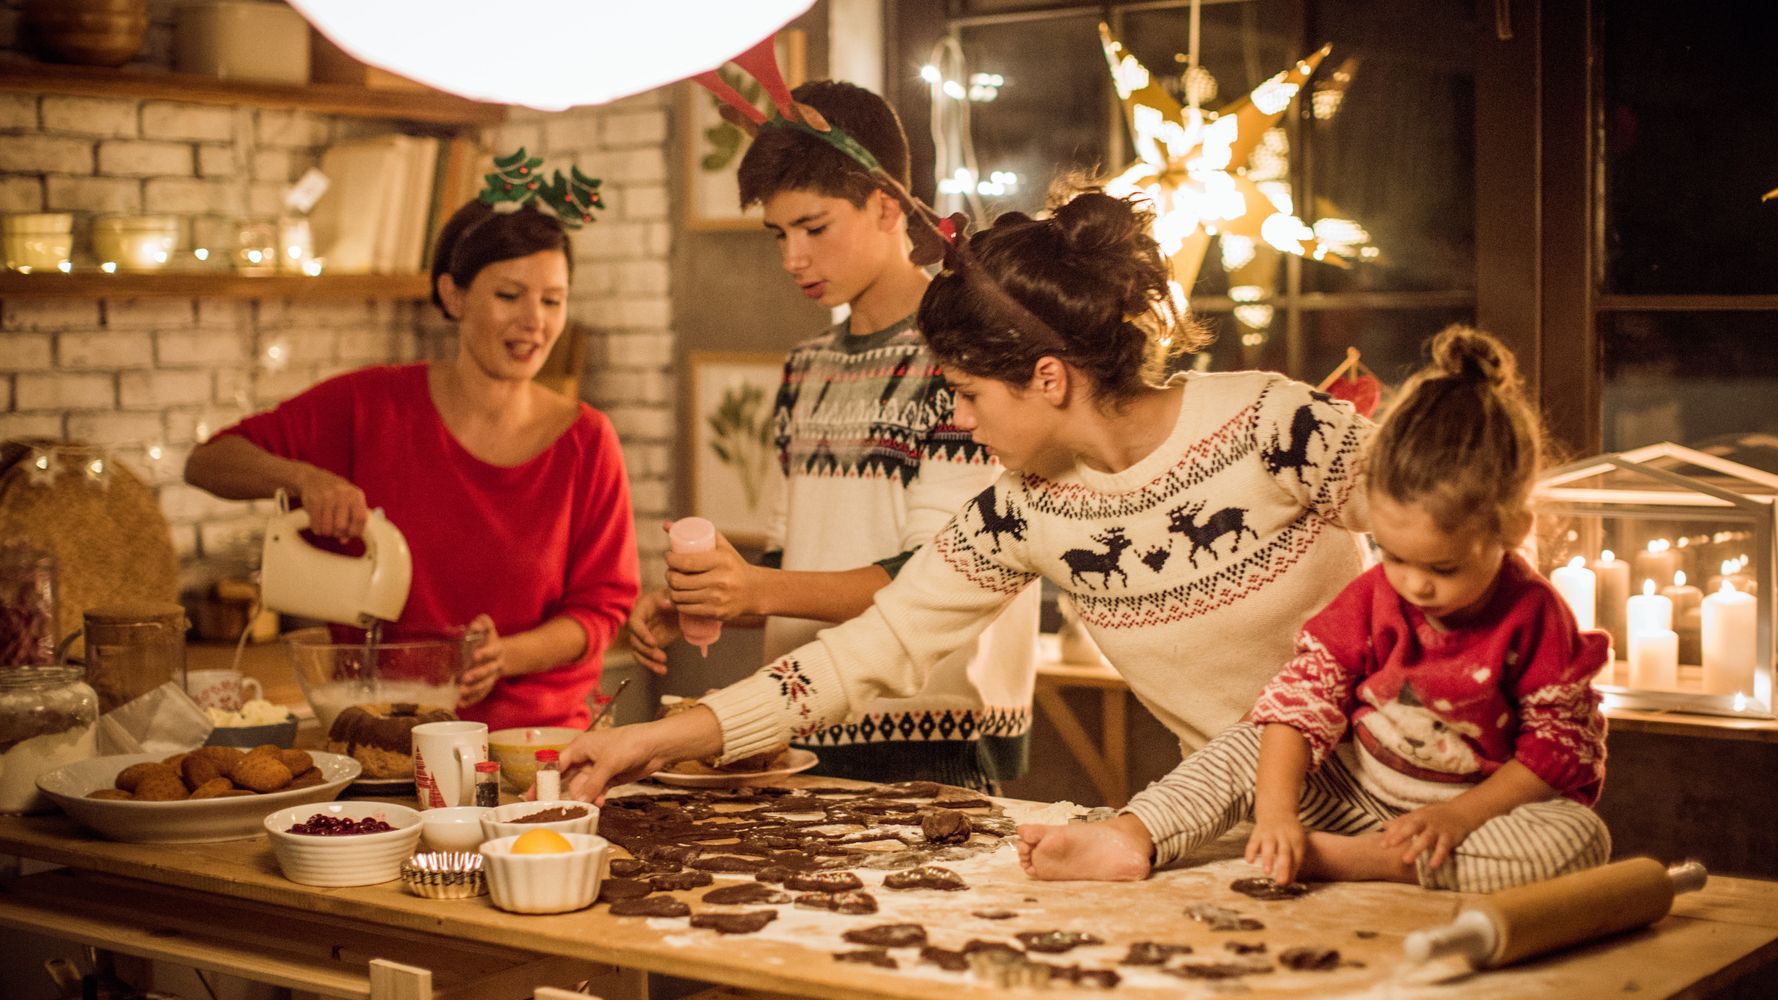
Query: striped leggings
[1213,790]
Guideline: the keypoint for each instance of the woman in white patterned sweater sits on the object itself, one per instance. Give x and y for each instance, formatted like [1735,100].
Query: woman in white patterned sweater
[1195,523]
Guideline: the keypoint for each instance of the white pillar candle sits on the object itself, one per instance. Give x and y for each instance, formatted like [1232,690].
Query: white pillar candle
[1730,641]
[1648,612]
[1658,561]
[1654,659]
[1578,586]
[1686,599]
[1614,591]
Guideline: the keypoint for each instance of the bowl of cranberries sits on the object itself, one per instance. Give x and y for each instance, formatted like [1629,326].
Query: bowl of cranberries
[343,843]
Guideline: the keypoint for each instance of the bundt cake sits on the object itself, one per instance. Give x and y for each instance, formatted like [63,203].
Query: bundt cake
[381,736]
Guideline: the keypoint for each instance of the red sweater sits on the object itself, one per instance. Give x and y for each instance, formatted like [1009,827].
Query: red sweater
[552,536]
[1451,706]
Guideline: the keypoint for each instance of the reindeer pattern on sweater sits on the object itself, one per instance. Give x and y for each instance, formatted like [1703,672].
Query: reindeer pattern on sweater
[1193,569]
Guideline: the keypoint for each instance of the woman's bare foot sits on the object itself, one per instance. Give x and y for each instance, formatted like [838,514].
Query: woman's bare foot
[1333,857]
[1118,850]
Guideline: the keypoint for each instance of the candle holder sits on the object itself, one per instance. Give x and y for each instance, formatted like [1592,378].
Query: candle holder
[1662,511]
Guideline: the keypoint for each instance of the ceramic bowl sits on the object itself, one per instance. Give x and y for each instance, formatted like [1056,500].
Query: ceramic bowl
[136,242]
[453,829]
[281,734]
[38,241]
[545,883]
[355,859]
[502,821]
[516,750]
[186,822]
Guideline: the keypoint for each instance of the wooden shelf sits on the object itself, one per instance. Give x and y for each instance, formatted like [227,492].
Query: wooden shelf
[322,98]
[217,285]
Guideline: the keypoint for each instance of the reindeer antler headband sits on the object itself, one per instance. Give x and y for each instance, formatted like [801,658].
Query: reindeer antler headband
[936,239]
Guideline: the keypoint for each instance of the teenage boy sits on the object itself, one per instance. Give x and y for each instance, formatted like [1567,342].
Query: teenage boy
[869,467]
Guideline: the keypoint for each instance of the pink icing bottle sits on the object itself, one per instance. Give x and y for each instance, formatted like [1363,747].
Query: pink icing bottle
[695,534]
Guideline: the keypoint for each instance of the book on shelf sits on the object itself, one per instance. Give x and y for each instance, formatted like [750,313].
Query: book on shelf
[374,218]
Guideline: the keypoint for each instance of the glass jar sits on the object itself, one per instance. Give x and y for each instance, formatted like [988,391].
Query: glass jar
[48,718]
[133,648]
[27,606]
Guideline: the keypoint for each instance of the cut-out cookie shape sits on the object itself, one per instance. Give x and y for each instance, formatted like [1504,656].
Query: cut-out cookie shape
[650,906]
[734,923]
[888,935]
[925,877]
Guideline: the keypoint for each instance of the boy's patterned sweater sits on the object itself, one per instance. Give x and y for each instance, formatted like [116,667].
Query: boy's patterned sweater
[1193,569]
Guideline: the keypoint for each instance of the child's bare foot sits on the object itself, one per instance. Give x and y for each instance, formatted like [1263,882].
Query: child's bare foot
[1117,850]
[1333,857]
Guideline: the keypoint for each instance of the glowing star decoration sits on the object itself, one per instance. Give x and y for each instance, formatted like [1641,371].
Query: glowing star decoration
[1195,167]
[555,54]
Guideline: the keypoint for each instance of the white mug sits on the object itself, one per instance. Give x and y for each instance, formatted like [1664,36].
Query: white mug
[227,690]
[445,755]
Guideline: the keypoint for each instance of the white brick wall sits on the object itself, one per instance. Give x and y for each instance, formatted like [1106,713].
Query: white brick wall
[168,372]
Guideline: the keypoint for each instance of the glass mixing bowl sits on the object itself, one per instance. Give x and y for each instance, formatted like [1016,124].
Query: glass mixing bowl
[335,676]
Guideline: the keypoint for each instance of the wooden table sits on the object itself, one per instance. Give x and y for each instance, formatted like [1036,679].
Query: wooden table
[225,907]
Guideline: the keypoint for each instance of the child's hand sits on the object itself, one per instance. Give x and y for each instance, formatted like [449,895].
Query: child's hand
[1437,828]
[1277,846]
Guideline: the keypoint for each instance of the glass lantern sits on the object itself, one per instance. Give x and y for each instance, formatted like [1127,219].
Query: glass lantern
[1670,550]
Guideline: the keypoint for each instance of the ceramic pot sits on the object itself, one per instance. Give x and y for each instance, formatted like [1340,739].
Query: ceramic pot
[89,32]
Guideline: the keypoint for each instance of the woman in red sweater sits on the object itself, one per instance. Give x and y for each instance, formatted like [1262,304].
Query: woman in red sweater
[513,498]
[1477,746]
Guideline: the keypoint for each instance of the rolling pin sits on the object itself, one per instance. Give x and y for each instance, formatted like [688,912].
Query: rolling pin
[1515,924]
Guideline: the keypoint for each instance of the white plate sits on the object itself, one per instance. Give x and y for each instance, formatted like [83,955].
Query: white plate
[796,760]
[206,820]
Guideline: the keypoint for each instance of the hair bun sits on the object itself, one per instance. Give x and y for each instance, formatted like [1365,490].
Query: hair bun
[1094,223]
[1468,354]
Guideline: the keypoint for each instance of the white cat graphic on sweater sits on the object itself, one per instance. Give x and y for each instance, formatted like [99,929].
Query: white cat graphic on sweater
[1420,736]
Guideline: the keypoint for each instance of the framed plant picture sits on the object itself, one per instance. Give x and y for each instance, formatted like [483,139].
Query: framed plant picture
[714,147]
[731,394]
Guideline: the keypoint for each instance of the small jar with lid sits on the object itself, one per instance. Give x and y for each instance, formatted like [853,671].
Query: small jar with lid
[548,786]
[48,719]
[487,783]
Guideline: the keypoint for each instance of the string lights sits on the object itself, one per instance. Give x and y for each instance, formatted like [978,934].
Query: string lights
[953,88]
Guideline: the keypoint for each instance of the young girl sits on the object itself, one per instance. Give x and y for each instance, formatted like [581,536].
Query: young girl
[1477,743]
[1195,523]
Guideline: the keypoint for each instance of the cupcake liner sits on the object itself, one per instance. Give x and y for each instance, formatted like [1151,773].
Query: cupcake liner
[444,875]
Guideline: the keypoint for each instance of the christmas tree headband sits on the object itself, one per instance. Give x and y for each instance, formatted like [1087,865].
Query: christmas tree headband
[517,182]
[936,240]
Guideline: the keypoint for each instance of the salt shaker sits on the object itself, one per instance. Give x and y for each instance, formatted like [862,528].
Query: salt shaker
[548,783]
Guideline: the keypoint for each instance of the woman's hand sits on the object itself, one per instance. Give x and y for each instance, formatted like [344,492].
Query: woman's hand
[1437,828]
[598,760]
[487,662]
[1277,846]
[336,507]
[654,624]
[717,584]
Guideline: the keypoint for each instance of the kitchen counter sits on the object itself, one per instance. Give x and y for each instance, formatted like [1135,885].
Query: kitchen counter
[221,905]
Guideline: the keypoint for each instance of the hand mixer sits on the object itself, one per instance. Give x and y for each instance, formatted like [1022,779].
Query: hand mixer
[297,578]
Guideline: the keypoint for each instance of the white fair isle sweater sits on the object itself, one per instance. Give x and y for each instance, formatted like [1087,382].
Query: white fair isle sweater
[1193,569]
[870,468]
